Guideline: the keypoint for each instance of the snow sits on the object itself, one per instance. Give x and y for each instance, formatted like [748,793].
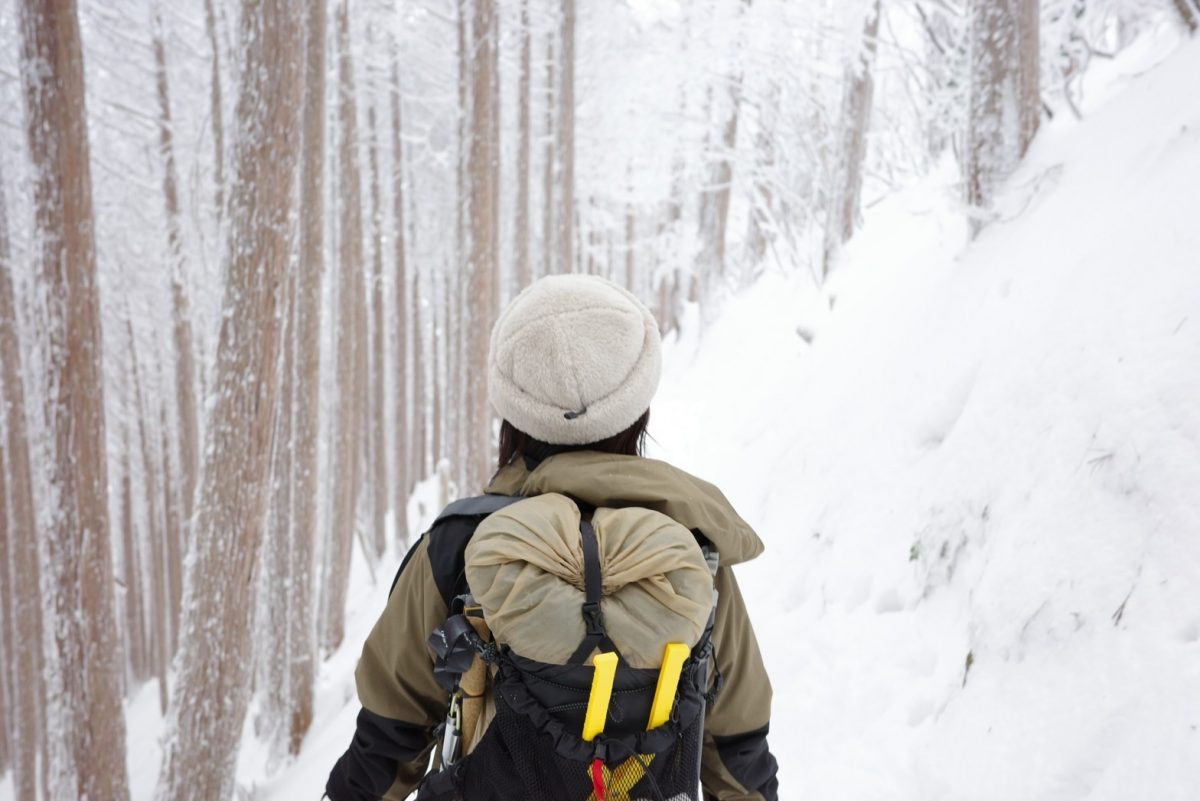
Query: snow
[977,483]
[987,454]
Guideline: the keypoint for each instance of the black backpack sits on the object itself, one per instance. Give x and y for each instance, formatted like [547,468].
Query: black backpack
[543,743]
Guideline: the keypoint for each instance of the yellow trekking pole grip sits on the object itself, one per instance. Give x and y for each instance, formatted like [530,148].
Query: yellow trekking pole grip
[602,684]
[674,655]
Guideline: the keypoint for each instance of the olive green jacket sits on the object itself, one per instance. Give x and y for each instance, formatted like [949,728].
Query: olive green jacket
[402,703]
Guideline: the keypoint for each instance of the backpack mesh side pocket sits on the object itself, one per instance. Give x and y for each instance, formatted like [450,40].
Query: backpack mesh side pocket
[515,761]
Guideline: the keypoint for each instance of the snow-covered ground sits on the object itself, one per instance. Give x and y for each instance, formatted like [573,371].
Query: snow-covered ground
[979,483]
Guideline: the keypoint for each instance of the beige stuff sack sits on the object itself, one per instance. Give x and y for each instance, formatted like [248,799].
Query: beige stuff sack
[525,568]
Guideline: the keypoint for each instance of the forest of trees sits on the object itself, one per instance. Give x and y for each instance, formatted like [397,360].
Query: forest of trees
[251,252]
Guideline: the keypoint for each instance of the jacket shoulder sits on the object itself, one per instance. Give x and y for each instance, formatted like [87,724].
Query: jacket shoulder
[448,537]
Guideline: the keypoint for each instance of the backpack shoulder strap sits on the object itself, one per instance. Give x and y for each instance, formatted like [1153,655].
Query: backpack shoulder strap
[450,534]
[479,506]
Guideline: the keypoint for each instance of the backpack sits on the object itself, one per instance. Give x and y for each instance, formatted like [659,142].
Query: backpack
[577,659]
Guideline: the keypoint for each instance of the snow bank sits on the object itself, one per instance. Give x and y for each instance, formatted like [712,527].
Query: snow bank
[980,484]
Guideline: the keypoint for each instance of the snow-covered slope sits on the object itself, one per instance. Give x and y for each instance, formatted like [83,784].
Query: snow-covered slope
[980,483]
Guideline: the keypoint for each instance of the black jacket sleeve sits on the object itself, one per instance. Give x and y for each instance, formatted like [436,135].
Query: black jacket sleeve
[380,746]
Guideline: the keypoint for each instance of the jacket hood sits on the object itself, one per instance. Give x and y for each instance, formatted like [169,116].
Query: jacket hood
[616,481]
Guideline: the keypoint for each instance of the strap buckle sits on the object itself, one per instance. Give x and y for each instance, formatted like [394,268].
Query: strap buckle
[593,618]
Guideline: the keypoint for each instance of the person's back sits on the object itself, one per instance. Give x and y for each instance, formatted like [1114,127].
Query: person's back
[574,364]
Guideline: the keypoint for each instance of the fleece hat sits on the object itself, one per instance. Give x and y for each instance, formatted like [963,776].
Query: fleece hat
[574,359]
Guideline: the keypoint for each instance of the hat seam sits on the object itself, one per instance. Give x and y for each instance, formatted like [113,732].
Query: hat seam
[574,366]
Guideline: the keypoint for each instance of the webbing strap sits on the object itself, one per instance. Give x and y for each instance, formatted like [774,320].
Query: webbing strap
[477,506]
[593,618]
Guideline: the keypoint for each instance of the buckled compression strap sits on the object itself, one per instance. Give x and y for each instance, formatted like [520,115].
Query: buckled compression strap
[593,618]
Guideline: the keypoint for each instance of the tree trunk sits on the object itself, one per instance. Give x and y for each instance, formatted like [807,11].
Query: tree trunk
[307,407]
[1003,106]
[1189,13]
[84,694]
[524,144]
[174,542]
[763,217]
[216,109]
[405,421]
[420,424]
[350,292]
[185,361]
[857,98]
[437,325]
[458,423]
[377,428]
[135,632]
[714,200]
[7,630]
[483,167]
[548,203]
[213,666]
[26,654]
[156,523]
[566,140]
[1029,93]
[274,610]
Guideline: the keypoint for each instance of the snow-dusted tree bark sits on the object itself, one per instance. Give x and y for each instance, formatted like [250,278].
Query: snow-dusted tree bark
[161,622]
[524,145]
[213,666]
[1029,88]
[714,200]
[565,147]
[420,424]
[457,398]
[548,136]
[173,527]
[437,363]
[26,606]
[215,109]
[87,755]
[131,574]
[858,92]
[274,611]
[407,462]
[452,419]
[348,437]
[483,176]
[763,215]
[726,101]
[377,427]
[7,663]
[185,360]
[1004,105]
[307,407]
[1189,13]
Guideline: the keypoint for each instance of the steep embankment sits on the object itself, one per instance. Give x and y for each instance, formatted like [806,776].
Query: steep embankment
[980,483]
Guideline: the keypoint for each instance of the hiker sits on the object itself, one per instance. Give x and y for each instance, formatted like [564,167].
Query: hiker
[574,363]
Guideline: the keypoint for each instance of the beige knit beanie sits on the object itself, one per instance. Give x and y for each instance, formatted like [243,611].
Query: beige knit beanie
[574,359]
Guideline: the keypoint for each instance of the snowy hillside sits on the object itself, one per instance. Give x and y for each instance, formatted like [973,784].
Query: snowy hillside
[980,484]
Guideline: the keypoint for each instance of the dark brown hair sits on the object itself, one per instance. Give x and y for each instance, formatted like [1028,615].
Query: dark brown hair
[514,441]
